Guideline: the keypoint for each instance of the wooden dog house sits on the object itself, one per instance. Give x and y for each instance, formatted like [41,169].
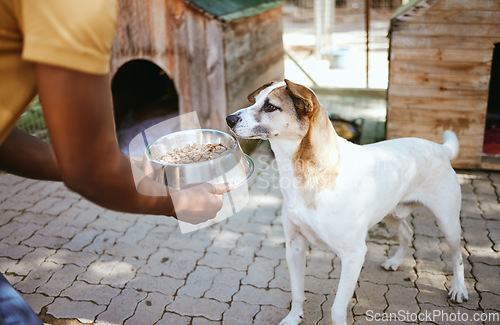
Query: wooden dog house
[439,76]
[214,53]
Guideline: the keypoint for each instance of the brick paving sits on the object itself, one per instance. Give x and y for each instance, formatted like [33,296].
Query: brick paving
[75,262]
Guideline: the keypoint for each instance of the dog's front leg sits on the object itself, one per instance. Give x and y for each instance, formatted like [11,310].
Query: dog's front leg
[296,260]
[352,262]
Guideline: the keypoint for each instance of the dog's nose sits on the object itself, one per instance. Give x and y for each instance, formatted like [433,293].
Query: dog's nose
[232,120]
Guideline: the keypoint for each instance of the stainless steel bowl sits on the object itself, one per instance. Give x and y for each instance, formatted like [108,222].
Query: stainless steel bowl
[233,167]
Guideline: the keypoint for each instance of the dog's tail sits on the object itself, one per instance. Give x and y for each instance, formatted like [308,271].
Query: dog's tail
[450,143]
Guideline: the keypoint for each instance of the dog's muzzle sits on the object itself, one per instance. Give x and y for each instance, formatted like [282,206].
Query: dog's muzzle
[232,120]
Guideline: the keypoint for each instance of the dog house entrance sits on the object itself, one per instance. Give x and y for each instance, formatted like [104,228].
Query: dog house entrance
[143,95]
[491,145]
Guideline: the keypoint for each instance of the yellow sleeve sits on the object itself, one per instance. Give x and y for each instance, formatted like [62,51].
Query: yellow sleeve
[73,34]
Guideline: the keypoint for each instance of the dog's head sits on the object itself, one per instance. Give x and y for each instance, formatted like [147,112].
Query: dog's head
[282,109]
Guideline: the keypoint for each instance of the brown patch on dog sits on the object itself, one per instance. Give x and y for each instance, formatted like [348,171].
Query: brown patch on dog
[251,97]
[317,158]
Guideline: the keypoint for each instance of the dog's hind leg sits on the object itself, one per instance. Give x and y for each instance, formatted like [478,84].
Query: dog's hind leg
[446,208]
[405,234]
[296,261]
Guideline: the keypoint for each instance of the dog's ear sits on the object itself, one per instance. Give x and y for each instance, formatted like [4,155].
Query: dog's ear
[251,97]
[303,98]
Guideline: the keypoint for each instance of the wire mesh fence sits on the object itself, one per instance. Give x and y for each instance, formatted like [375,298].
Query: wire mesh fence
[32,121]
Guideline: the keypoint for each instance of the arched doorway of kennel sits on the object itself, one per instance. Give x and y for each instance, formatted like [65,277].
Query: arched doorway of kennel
[143,96]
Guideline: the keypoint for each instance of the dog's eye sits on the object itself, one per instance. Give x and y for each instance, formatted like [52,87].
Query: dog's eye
[270,108]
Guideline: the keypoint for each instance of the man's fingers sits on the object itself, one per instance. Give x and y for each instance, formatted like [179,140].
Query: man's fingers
[223,188]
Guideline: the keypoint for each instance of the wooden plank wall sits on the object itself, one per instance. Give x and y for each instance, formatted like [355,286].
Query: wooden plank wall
[185,43]
[440,64]
[254,53]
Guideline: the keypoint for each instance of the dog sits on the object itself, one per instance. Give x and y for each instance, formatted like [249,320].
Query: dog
[338,190]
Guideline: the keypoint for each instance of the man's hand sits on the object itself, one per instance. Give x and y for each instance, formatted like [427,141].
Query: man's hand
[197,203]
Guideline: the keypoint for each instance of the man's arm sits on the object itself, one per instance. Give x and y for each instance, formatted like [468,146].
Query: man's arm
[27,156]
[79,116]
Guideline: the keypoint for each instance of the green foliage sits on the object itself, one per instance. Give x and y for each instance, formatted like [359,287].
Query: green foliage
[32,121]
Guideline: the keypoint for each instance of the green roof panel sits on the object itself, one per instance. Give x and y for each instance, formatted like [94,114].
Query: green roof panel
[233,9]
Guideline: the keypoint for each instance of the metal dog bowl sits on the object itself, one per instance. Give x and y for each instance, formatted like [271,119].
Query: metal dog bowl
[233,167]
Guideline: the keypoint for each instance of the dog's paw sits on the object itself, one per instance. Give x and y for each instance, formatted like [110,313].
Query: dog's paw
[391,264]
[458,293]
[292,319]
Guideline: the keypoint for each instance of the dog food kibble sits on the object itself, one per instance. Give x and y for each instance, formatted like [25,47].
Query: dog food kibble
[194,153]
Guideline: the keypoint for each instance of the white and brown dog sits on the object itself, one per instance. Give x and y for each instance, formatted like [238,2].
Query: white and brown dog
[339,190]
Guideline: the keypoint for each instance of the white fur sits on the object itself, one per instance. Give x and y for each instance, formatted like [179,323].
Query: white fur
[374,181]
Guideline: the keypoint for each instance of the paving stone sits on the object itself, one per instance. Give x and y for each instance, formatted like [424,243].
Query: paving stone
[81,217]
[470,209]
[206,307]
[371,296]
[122,307]
[124,249]
[103,241]
[122,272]
[6,263]
[281,279]
[31,261]
[272,252]
[64,256]
[240,313]
[225,285]
[236,262]
[203,321]
[257,296]
[176,264]
[224,242]
[58,207]
[37,301]
[401,298]
[23,232]
[150,310]
[319,263]
[38,240]
[37,277]
[15,252]
[43,205]
[82,291]
[108,221]
[60,280]
[199,281]
[270,315]
[373,272]
[98,269]
[135,234]
[82,239]
[260,272]
[327,314]
[84,311]
[59,228]
[166,285]
[248,244]
[312,308]
[171,318]
[431,289]
[487,277]
[180,242]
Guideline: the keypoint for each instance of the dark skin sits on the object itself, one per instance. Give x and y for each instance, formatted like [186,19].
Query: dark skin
[84,151]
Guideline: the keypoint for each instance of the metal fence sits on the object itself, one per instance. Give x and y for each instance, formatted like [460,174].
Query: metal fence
[32,121]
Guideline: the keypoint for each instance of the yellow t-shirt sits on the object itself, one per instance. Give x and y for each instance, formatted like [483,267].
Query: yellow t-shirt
[73,34]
